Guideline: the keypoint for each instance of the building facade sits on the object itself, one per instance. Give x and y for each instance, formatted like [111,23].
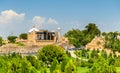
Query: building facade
[42,37]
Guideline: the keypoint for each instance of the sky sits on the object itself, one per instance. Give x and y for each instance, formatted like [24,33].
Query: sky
[19,16]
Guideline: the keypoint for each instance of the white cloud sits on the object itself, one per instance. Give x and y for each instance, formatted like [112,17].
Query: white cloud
[10,16]
[38,20]
[52,21]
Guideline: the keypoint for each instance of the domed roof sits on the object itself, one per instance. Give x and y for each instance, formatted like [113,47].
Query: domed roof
[33,29]
[58,28]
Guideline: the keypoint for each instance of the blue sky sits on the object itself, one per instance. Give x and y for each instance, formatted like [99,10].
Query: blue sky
[18,16]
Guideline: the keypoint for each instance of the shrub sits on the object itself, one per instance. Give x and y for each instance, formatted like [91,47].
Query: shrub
[102,66]
[70,67]
[64,62]
[53,65]
[94,54]
[50,52]
[12,39]
[104,54]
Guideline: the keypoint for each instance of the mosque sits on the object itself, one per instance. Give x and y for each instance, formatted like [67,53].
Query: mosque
[40,37]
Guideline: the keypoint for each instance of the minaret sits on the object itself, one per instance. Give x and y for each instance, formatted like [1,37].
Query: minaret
[59,36]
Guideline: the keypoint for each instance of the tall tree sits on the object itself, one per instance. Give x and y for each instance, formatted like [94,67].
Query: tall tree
[91,30]
[80,38]
[75,37]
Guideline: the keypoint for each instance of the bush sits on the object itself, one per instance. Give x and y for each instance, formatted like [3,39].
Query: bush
[70,67]
[94,54]
[104,54]
[84,53]
[53,65]
[12,39]
[50,52]
[83,63]
[117,62]
[102,66]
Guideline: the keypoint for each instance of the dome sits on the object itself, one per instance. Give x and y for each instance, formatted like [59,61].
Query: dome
[33,29]
[58,28]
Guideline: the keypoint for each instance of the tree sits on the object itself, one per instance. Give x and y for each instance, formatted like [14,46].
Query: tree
[70,67]
[112,41]
[25,66]
[91,30]
[23,36]
[49,52]
[12,39]
[75,37]
[94,54]
[104,54]
[80,38]
[1,41]
[53,65]
[102,66]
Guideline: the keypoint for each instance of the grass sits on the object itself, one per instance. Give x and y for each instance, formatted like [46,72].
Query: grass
[82,69]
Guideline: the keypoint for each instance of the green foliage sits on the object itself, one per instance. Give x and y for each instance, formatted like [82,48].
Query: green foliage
[75,37]
[70,67]
[94,54]
[25,66]
[12,39]
[57,71]
[117,62]
[84,53]
[90,62]
[53,65]
[83,63]
[1,41]
[104,54]
[112,41]
[35,62]
[111,61]
[33,70]
[64,63]
[23,36]
[80,38]
[49,52]
[102,66]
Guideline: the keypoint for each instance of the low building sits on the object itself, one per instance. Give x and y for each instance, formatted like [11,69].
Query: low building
[42,37]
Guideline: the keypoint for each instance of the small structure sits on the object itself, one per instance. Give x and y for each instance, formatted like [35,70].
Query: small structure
[42,37]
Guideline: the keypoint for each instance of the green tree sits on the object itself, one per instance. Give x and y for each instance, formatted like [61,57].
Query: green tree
[91,30]
[23,36]
[53,65]
[25,66]
[80,38]
[33,70]
[102,66]
[64,63]
[49,52]
[75,37]
[104,54]
[70,67]
[94,54]
[1,41]
[12,39]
